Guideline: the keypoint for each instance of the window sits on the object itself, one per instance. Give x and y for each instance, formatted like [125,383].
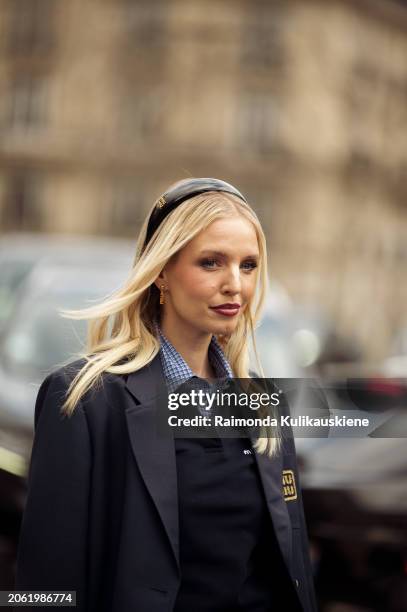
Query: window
[142,115]
[146,23]
[262,45]
[127,208]
[257,122]
[21,207]
[30,26]
[25,105]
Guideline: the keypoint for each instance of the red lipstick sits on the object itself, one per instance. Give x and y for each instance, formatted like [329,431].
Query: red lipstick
[227,310]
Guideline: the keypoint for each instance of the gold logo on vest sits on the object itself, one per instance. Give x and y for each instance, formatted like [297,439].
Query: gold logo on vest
[289,488]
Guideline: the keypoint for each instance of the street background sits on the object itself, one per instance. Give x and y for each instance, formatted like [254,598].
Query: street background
[303,107]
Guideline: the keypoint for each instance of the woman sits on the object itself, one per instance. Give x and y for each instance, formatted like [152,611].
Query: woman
[136,521]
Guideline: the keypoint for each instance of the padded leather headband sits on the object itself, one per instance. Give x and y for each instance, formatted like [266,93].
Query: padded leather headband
[175,196]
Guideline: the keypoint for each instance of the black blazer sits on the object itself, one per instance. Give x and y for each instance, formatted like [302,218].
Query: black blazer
[101,515]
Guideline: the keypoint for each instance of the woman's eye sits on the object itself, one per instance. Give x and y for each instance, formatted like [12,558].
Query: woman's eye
[251,265]
[208,263]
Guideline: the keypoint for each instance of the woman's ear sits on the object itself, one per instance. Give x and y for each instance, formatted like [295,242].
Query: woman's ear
[161,279]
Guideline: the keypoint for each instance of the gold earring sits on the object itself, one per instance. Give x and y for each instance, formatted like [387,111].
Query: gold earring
[162,296]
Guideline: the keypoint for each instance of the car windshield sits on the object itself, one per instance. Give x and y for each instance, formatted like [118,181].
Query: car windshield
[12,273]
[40,339]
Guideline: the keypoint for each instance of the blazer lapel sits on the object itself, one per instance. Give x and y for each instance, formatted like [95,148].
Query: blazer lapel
[271,476]
[154,452]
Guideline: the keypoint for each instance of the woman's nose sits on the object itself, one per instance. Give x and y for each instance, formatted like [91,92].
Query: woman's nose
[232,282]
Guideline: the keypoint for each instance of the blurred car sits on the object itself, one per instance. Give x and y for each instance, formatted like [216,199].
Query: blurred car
[396,362]
[19,253]
[298,340]
[355,501]
[38,339]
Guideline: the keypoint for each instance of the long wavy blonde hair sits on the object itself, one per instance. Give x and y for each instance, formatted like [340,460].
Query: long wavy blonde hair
[121,337]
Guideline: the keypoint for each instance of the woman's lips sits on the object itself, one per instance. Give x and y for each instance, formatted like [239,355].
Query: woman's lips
[226,311]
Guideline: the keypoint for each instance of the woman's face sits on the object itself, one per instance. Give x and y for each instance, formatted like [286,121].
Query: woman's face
[215,268]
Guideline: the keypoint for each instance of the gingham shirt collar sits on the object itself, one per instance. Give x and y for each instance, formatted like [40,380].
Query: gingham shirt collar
[177,371]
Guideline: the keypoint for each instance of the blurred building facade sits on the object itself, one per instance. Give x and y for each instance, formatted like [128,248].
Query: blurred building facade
[303,105]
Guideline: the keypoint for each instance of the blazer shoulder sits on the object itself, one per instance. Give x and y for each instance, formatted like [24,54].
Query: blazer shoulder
[67,373]
[58,382]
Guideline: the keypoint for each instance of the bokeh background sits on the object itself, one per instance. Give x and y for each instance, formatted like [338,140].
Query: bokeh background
[300,104]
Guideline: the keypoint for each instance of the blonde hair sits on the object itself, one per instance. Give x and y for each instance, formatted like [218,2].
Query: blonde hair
[121,337]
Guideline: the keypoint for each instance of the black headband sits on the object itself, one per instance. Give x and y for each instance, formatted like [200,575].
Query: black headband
[173,197]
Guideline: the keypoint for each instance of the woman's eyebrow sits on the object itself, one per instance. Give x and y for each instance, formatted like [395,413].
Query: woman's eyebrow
[222,254]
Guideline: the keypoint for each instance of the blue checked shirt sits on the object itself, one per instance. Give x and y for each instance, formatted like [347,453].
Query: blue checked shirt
[177,371]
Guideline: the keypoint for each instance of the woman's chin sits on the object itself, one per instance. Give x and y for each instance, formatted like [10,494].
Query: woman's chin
[225,330]
[222,325]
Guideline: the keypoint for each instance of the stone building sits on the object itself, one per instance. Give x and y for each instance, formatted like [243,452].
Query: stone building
[303,105]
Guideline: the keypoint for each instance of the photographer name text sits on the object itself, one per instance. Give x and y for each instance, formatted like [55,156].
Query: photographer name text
[282,421]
